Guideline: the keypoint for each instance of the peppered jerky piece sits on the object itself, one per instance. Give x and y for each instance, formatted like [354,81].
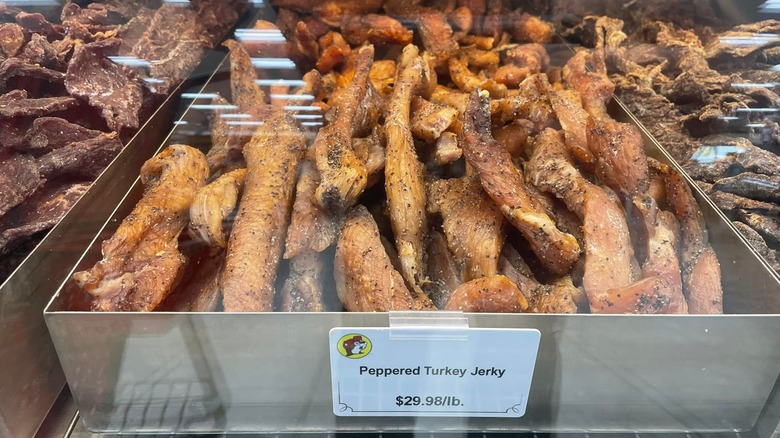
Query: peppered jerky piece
[84,159]
[759,244]
[766,226]
[37,23]
[116,90]
[751,185]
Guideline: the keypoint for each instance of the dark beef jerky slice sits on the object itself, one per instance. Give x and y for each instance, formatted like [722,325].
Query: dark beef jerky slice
[19,178]
[36,107]
[13,132]
[37,23]
[766,226]
[217,17]
[11,39]
[759,244]
[40,51]
[50,133]
[114,89]
[133,30]
[40,212]
[751,185]
[84,159]
[14,68]
[94,14]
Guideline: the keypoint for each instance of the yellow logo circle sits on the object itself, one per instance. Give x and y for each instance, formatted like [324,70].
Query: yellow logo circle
[354,346]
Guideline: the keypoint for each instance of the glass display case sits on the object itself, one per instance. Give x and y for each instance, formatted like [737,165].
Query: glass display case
[202,194]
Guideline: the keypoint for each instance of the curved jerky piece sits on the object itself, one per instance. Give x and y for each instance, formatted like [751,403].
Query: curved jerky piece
[558,297]
[751,185]
[226,143]
[302,291]
[527,28]
[82,159]
[443,273]
[767,226]
[759,244]
[11,39]
[246,92]
[435,31]
[621,164]
[662,260]
[197,288]
[39,212]
[586,74]
[371,150]
[467,81]
[574,121]
[473,224]
[375,29]
[558,251]
[365,278]
[701,271]
[212,204]
[112,88]
[497,294]
[521,62]
[13,132]
[310,226]
[37,23]
[532,103]
[404,174]
[343,175]
[49,133]
[141,260]
[255,247]
[12,68]
[40,52]
[36,107]
[302,46]
[19,178]
[333,12]
[430,120]
[335,51]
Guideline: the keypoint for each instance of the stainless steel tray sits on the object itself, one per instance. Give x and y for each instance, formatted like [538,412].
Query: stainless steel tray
[30,375]
[269,372]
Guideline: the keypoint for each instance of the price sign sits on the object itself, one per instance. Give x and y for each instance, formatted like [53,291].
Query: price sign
[432,372]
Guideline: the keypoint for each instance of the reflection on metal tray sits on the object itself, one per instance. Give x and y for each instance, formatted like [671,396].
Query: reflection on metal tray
[213,372]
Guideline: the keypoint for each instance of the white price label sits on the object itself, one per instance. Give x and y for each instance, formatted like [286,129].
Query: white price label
[432,372]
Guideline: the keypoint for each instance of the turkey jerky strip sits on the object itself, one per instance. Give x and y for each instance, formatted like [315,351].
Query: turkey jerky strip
[213,203]
[366,280]
[343,175]
[246,92]
[256,243]
[142,259]
[302,291]
[404,174]
[701,270]
[311,228]
[558,251]
[435,31]
[473,224]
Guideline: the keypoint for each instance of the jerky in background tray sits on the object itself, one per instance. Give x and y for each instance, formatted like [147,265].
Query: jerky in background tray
[19,178]
[115,89]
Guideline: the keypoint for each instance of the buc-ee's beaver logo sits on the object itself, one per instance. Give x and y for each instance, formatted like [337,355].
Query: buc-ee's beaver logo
[354,346]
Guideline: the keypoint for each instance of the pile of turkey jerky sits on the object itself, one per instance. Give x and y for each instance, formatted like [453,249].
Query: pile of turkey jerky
[74,87]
